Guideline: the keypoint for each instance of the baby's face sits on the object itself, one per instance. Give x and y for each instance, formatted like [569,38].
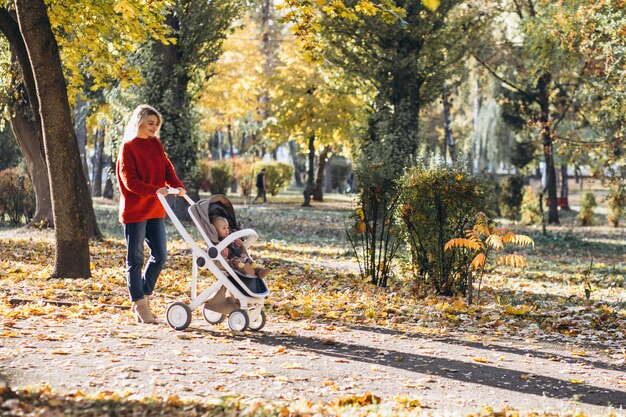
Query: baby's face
[222,229]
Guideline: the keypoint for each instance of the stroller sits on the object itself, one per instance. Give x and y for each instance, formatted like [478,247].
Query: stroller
[234,295]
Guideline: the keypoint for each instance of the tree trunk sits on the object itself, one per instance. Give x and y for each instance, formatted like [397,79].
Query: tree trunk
[69,192]
[230,141]
[27,132]
[546,137]
[298,167]
[26,135]
[318,189]
[449,145]
[97,161]
[564,186]
[308,190]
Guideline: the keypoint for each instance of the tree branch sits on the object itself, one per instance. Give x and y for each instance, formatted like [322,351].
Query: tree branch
[500,78]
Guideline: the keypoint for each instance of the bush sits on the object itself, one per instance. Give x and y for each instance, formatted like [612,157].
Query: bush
[374,233]
[17,198]
[510,197]
[279,176]
[616,202]
[530,210]
[242,174]
[587,204]
[221,177]
[437,204]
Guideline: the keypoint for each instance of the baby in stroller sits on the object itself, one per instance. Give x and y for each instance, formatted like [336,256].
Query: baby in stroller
[236,253]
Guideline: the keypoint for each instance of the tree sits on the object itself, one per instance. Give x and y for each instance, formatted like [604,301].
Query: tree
[314,106]
[549,86]
[69,192]
[174,73]
[407,62]
[97,47]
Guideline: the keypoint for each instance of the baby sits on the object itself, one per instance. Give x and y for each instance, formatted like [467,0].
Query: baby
[236,253]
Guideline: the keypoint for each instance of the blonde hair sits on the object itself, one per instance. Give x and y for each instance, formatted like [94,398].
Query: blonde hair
[140,115]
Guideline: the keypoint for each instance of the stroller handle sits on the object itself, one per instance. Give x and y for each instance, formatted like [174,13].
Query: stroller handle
[174,191]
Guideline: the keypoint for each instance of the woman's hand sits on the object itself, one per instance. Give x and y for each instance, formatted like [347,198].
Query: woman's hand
[162,191]
[181,191]
[225,252]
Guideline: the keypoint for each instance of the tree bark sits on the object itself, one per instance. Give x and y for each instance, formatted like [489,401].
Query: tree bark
[69,192]
[564,186]
[26,124]
[318,189]
[546,138]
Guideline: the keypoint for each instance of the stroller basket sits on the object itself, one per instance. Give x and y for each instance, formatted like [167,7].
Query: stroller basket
[253,286]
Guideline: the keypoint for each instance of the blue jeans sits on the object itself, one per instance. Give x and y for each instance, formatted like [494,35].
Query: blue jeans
[153,232]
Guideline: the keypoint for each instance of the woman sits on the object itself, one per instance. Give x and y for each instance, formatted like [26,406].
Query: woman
[143,170]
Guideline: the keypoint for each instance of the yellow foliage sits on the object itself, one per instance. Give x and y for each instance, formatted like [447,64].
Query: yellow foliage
[517,261]
[462,243]
[479,261]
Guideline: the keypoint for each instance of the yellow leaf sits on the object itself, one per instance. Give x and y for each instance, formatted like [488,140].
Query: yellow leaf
[524,376]
[519,310]
[481,360]
[479,261]
[576,381]
[431,4]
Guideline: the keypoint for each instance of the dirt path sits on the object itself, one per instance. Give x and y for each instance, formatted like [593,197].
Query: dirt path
[315,361]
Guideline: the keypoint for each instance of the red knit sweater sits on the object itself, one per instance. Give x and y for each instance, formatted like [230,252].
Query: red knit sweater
[142,168]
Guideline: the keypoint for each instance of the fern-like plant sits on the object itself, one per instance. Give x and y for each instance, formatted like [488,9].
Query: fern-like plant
[483,239]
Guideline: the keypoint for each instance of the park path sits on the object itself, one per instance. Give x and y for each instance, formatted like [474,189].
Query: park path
[316,361]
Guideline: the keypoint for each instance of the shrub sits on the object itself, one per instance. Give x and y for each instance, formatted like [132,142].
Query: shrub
[436,205]
[587,204]
[17,198]
[279,176]
[242,174]
[530,209]
[374,234]
[221,177]
[510,197]
[479,242]
[616,201]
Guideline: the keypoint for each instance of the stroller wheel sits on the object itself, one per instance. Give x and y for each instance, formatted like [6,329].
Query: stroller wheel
[178,315]
[212,317]
[259,323]
[238,320]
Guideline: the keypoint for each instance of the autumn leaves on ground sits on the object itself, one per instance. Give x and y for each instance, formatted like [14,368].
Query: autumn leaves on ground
[548,338]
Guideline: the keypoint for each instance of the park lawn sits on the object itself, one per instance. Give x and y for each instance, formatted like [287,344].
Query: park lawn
[314,278]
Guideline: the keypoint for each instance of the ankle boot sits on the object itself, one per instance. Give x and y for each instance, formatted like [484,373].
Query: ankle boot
[142,311]
[147,297]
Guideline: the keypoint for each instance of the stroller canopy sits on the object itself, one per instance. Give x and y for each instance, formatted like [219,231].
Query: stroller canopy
[216,205]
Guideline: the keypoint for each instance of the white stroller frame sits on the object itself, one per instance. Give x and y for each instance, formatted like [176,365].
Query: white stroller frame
[250,315]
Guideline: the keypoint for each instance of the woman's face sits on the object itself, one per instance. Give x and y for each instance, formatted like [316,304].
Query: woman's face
[222,229]
[149,127]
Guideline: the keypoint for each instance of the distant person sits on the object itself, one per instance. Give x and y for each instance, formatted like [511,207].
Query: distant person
[143,170]
[261,186]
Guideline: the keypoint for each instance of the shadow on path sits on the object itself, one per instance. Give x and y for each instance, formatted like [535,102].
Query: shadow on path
[474,373]
[505,349]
